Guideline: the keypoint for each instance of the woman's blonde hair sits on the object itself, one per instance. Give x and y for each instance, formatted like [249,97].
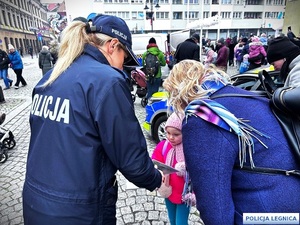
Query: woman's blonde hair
[185,80]
[74,38]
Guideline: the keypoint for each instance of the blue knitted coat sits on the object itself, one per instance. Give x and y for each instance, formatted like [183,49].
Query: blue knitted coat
[224,193]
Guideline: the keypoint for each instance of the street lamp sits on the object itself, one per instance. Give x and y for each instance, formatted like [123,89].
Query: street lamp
[150,15]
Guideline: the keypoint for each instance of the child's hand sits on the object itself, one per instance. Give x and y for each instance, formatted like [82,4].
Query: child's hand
[180,166]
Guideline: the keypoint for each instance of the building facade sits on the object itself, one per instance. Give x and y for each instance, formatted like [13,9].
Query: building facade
[23,23]
[292,17]
[236,17]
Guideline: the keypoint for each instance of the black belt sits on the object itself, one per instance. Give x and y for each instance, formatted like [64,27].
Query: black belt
[269,170]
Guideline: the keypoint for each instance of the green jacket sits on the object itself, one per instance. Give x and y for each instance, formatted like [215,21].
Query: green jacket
[160,55]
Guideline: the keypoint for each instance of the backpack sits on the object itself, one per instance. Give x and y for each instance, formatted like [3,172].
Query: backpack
[238,55]
[284,103]
[151,66]
[244,67]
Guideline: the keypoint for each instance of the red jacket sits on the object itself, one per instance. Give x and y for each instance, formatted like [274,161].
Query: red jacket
[177,182]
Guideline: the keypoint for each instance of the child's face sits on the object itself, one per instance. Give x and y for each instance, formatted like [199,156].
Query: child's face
[174,136]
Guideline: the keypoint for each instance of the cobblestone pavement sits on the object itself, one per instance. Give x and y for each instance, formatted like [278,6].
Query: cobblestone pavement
[135,205]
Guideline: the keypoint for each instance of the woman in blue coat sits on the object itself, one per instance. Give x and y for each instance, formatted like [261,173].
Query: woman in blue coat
[84,129]
[221,135]
[17,65]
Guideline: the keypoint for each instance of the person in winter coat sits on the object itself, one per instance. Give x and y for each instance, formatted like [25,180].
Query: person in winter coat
[257,53]
[209,44]
[54,46]
[16,64]
[84,129]
[45,59]
[238,55]
[284,55]
[223,55]
[153,84]
[4,62]
[2,117]
[170,152]
[211,57]
[245,43]
[245,64]
[223,153]
[189,49]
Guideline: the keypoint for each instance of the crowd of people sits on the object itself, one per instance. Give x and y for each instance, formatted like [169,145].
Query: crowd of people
[208,144]
[13,59]
[244,53]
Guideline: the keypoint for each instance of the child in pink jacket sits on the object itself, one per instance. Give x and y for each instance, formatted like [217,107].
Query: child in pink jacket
[257,53]
[170,152]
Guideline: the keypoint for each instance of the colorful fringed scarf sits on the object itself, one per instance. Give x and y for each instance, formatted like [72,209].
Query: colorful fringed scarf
[213,112]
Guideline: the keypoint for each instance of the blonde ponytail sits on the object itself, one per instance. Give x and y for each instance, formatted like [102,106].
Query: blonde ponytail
[72,45]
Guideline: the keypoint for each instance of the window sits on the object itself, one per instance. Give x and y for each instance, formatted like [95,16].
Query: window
[206,2]
[9,19]
[177,15]
[278,2]
[225,15]
[191,1]
[205,14]
[226,2]
[18,22]
[137,1]
[22,24]
[238,2]
[215,2]
[192,15]
[252,15]
[237,15]
[4,22]
[137,15]
[108,1]
[269,2]
[177,2]
[111,13]
[162,15]
[164,1]
[120,1]
[123,15]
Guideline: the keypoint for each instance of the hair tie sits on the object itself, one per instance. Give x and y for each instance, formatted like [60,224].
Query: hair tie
[88,28]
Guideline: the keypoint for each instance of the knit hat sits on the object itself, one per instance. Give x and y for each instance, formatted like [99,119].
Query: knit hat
[175,120]
[10,46]
[152,41]
[196,36]
[280,48]
[222,41]
[254,39]
[245,40]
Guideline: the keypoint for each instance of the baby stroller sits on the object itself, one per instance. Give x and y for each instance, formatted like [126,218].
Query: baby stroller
[7,142]
[139,77]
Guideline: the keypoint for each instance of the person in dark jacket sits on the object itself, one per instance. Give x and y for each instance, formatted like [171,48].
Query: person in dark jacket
[2,117]
[17,65]
[4,62]
[153,85]
[189,49]
[84,129]
[284,55]
[54,50]
[45,59]
[218,147]
[223,55]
